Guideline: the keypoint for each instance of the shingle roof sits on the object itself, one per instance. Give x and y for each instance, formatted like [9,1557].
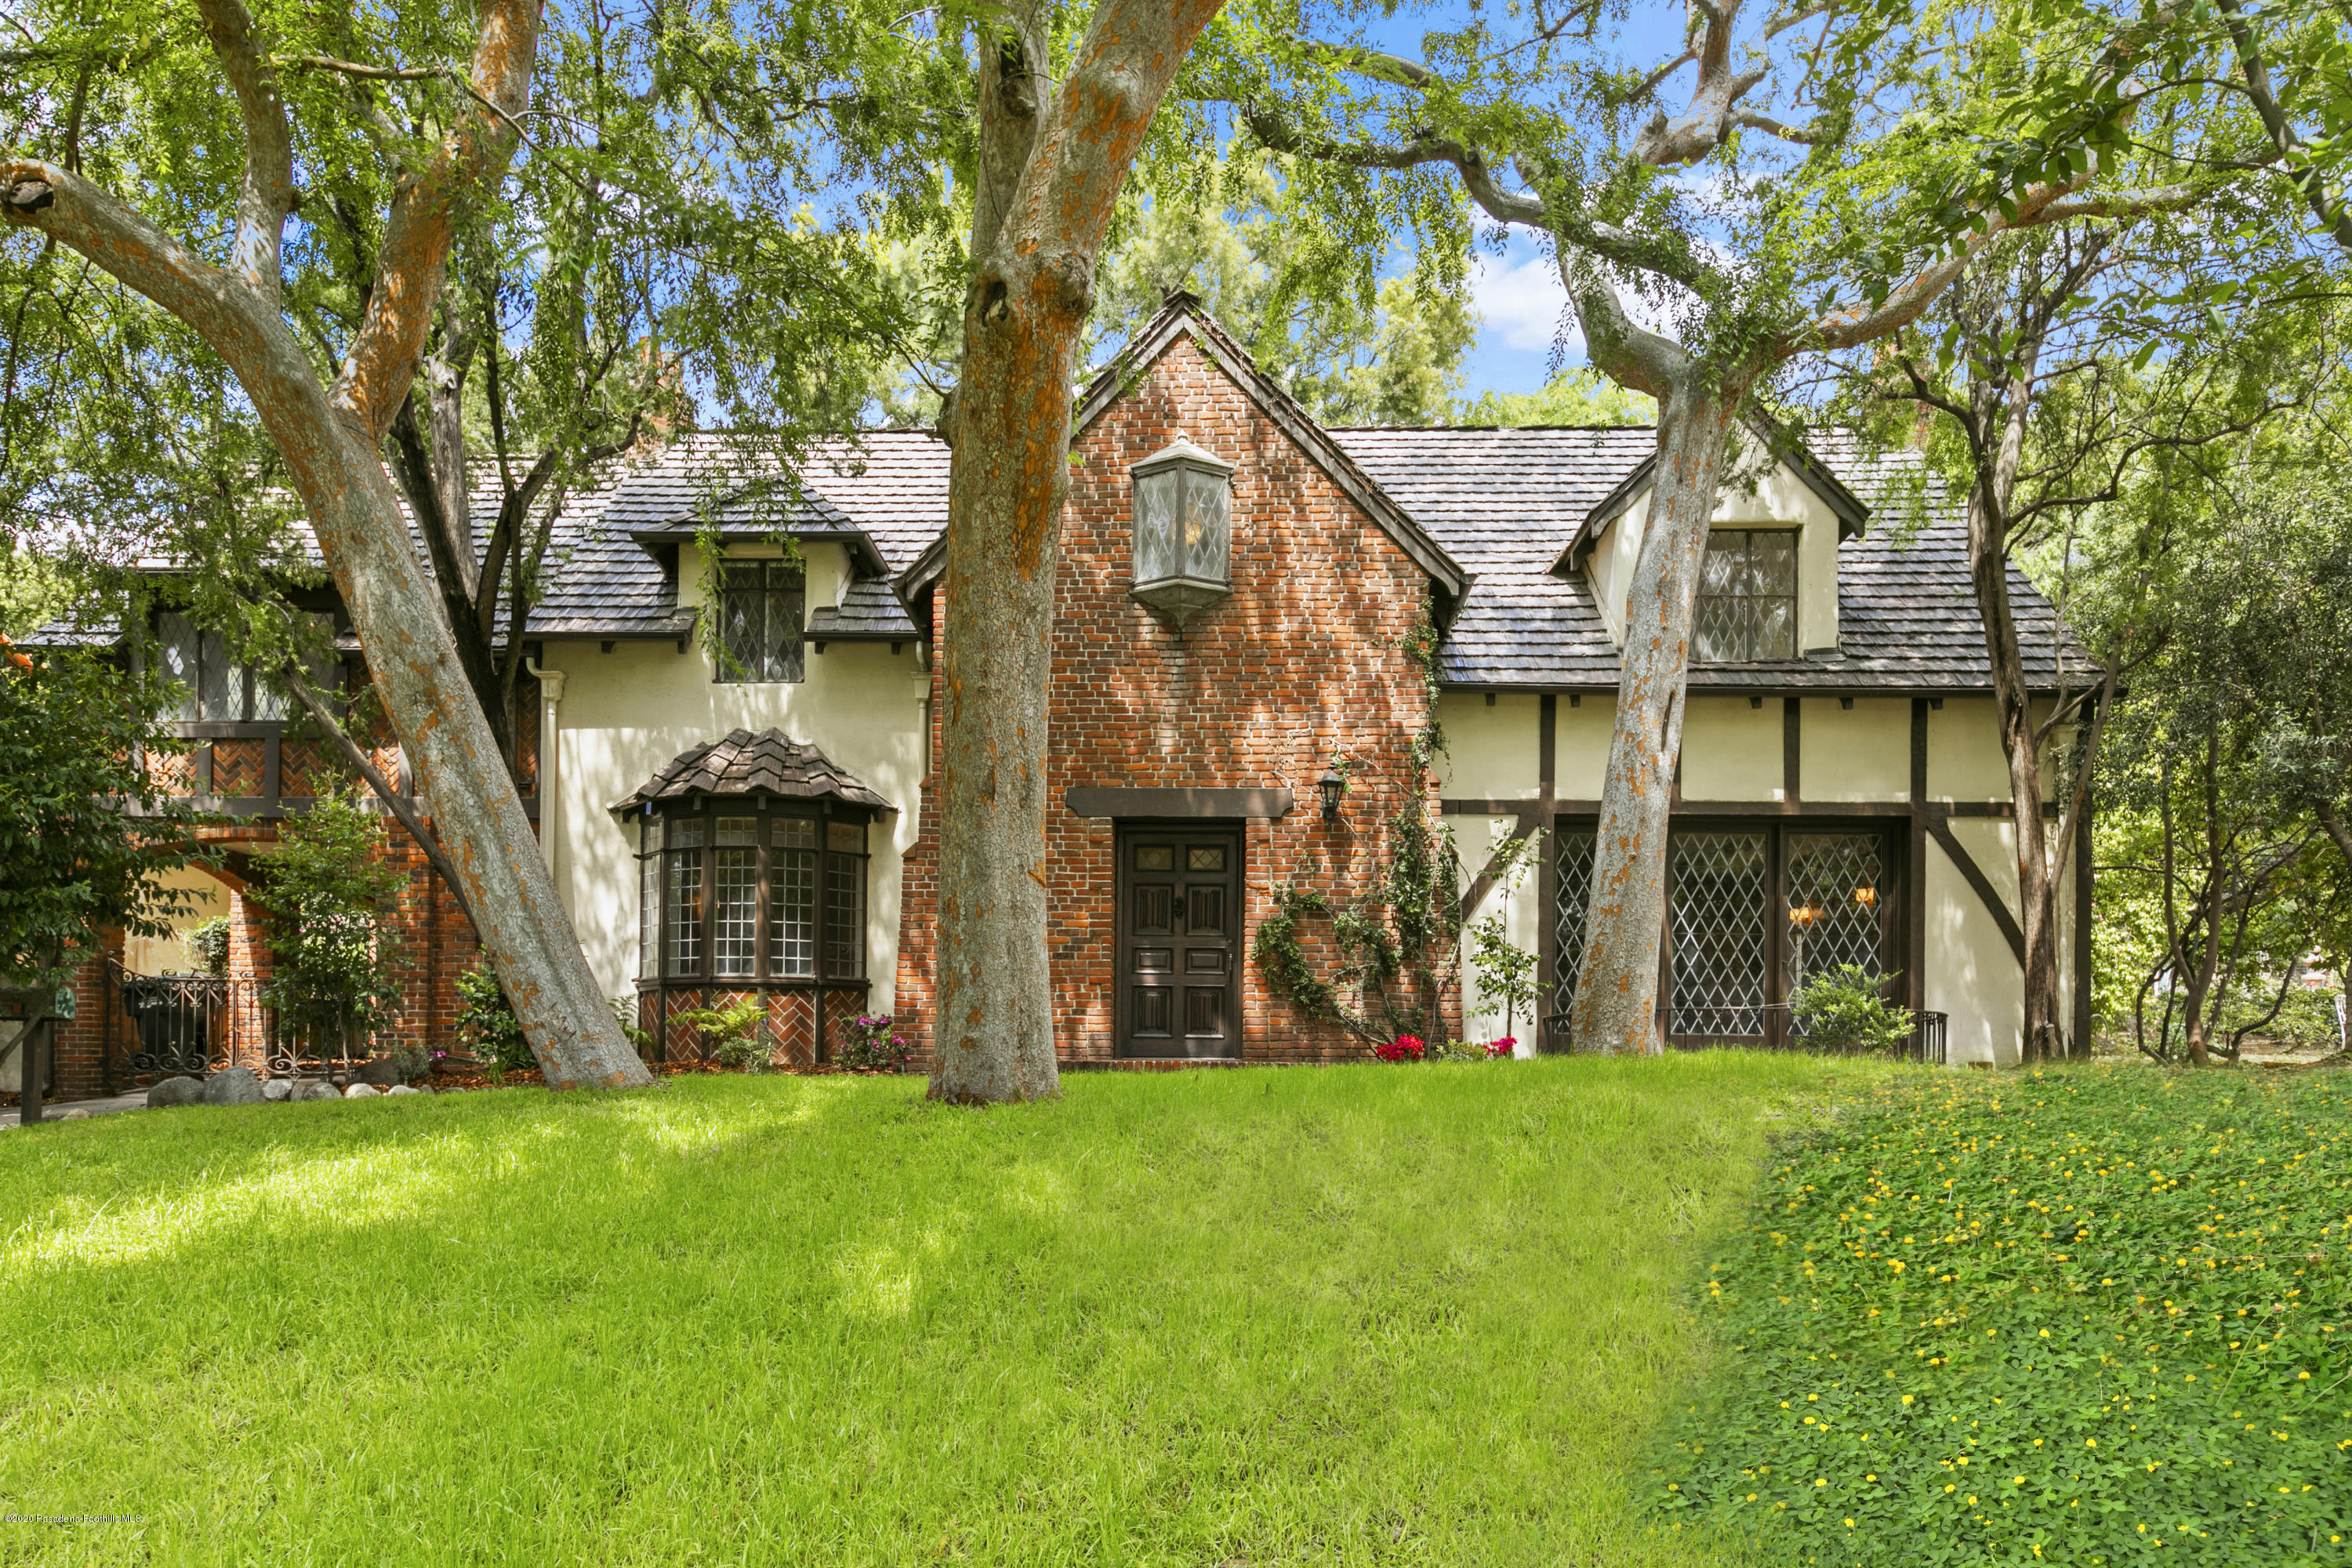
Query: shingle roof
[742,764]
[1504,503]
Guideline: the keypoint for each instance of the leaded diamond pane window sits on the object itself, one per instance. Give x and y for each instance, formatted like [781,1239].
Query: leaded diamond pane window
[1747,605]
[1722,892]
[1573,899]
[1834,918]
[760,612]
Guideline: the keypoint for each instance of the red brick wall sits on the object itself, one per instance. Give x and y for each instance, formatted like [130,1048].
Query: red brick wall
[1303,665]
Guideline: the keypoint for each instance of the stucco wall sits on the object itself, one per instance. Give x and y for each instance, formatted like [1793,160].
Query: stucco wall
[1972,975]
[1495,749]
[1731,751]
[169,954]
[1858,753]
[1476,838]
[626,713]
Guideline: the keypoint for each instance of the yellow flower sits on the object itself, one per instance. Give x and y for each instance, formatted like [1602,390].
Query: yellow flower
[1906,1399]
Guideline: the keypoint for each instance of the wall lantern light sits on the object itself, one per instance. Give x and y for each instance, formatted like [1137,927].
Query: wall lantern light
[1865,897]
[1183,530]
[1331,787]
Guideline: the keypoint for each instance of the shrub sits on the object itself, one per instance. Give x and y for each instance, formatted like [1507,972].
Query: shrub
[732,1036]
[487,1026]
[323,892]
[412,1059]
[1840,1009]
[208,945]
[868,1046]
[1404,1048]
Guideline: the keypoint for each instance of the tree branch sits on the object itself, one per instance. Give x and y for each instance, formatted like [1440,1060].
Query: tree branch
[2334,217]
[267,194]
[376,372]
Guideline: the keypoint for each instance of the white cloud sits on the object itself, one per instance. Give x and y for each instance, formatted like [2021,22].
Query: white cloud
[1520,297]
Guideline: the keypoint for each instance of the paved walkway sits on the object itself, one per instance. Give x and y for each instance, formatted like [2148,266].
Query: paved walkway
[52,1109]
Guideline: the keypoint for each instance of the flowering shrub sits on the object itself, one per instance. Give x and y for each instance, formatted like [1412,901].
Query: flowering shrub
[869,1046]
[1404,1048]
[1502,1044]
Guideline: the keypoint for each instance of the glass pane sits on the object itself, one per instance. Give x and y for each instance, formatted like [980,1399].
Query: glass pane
[220,687]
[742,627]
[1155,526]
[1574,896]
[1155,857]
[685,910]
[796,832]
[1835,912]
[176,660]
[845,925]
[1725,568]
[686,833]
[1206,544]
[1205,858]
[792,907]
[1776,628]
[1722,941]
[781,653]
[737,830]
[735,907]
[1773,561]
[845,837]
[649,917]
[1715,630]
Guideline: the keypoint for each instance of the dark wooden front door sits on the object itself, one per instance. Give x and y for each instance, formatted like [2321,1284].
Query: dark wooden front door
[1179,942]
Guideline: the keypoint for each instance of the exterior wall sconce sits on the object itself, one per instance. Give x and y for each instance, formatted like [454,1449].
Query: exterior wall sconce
[1331,787]
[1865,897]
[1183,530]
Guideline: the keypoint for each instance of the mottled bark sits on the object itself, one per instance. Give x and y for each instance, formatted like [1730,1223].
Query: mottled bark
[1009,424]
[330,439]
[1616,1005]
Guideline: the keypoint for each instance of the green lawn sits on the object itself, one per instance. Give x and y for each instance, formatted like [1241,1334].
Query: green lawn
[2091,1316]
[1353,1315]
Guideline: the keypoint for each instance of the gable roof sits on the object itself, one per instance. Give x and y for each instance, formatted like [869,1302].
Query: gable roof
[1778,440]
[1502,500]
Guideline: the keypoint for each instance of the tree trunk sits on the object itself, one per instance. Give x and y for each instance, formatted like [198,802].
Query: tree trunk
[1988,517]
[330,439]
[1616,1005]
[1031,288]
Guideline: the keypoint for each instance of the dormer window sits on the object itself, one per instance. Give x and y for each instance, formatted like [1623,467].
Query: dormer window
[1183,530]
[759,609]
[1747,608]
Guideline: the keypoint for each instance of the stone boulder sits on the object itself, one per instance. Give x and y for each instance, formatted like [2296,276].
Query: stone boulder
[404,1088]
[175,1091]
[381,1071]
[277,1089]
[314,1089]
[233,1086]
[359,1091]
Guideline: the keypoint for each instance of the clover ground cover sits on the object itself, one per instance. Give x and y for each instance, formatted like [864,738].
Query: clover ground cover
[2095,1315]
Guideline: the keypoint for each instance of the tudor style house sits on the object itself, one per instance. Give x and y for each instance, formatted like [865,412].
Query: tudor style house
[1253,612]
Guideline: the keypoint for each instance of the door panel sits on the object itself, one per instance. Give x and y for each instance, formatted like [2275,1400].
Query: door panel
[1179,897]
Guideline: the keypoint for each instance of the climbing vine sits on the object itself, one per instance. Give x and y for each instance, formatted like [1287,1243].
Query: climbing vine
[1397,942]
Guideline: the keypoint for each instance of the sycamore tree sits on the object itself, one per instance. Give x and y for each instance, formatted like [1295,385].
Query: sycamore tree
[1769,185]
[1056,141]
[254,254]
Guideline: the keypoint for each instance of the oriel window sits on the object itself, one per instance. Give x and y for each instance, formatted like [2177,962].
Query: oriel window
[759,609]
[1747,608]
[738,891]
